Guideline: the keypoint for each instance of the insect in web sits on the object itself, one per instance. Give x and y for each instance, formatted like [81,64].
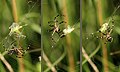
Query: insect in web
[11,43]
[15,27]
[106,29]
[15,30]
[67,30]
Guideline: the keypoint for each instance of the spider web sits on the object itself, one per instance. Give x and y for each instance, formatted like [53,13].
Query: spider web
[31,18]
[112,21]
[64,30]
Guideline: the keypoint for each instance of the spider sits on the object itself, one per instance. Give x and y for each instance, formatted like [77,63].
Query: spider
[66,31]
[105,31]
[55,26]
[19,52]
[11,42]
[107,28]
[13,49]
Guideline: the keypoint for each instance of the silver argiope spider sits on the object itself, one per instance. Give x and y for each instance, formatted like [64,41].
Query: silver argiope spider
[19,52]
[106,31]
[107,28]
[55,26]
[11,43]
[13,49]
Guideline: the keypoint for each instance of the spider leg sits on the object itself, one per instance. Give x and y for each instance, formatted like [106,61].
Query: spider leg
[105,42]
[59,31]
[53,32]
[62,36]
[50,30]
[28,48]
[53,41]
[55,19]
[111,29]
[18,56]
[10,52]
[51,23]
[24,51]
[62,22]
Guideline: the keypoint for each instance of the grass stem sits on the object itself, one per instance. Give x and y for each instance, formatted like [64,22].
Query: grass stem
[89,60]
[14,8]
[6,63]
[68,41]
[104,49]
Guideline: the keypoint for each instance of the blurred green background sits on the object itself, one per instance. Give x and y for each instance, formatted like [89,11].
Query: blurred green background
[64,56]
[28,12]
[94,14]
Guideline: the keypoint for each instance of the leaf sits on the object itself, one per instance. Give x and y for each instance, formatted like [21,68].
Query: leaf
[36,28]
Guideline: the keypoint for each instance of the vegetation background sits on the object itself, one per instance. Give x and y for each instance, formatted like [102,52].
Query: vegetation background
[27,12]
[64,56]
[104,57]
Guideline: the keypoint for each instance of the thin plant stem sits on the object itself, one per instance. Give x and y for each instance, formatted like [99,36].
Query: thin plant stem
[114,53]
[21,64]
[49,64]
[104,49]
[14,11]
[57,61]
[6,63]
[15,16]
[91,55]
[89,60]
[111,65]
[68,41]
[35,50]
